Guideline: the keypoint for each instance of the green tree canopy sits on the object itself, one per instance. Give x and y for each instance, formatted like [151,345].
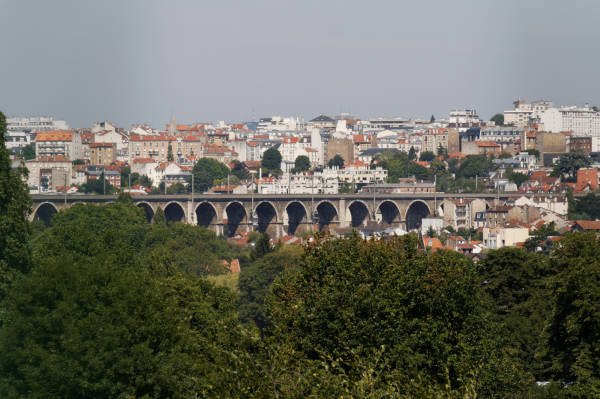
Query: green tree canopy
[515,282]
[475,165]
[272,159]
[206,171]
[302,163]
[412,154]
[426,156]
[573,331]
[351,297]
[15,207]
[170,156]
[570,162]
[29,152]
[337,160]
[256,279]
[498,119]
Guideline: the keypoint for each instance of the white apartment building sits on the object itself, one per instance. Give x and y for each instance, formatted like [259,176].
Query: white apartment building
[463,116]
[35,124]
[325,182]
[278,123]
[522,112]
[17,139]
[55,143]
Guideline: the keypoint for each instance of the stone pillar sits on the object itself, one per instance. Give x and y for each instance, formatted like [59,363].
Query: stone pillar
[191,215]
[342,213]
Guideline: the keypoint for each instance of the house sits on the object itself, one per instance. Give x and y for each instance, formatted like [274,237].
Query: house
[501,236]
[461,212]
[586,225]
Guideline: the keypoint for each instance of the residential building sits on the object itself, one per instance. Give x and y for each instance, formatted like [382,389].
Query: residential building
[500,236]
[47,173]
[103,153]
[461,212]
[31,125]
[55,143]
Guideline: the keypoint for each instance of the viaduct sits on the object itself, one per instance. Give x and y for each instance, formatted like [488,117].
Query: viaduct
[276,214]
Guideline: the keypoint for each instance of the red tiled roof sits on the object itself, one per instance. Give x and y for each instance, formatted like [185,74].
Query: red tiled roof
[56,135]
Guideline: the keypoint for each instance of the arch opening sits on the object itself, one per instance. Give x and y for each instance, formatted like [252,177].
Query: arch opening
[147,210]
[359,213]
[296,214]
[236,215]
[326,215]
[390,213]
[174,213]
[45,212]
[265,213]
[415,214]
[205,214]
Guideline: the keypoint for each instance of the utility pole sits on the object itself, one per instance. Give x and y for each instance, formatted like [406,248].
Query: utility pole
[193,210]
[65,188]
[104,182]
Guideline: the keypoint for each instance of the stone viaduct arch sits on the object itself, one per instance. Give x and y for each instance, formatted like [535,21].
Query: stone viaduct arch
[275,214]
[175,212]
[44,212]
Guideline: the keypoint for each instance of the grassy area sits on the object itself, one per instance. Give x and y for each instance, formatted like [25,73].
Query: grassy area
[229,280]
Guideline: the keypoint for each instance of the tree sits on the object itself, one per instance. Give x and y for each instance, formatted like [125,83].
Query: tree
[159,217]
[474,165]
[573,331]
[15,207]
[256,279]
[336,161]
[570,162]
[261,247]
[539,241]
[240,170]
[170,157]
[178,188]
[272,159]
[29,152]
[412,154]
[206,171]
[351,297]
[432,119]
[426,156]
[95,319]
[498,119]
[534,152]
[302,163]
[98,186]
[516,177]
[515,282]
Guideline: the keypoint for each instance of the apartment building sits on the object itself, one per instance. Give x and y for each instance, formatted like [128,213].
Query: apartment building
[65,143]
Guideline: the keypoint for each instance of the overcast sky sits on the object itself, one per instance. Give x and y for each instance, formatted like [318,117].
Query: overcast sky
[140,61]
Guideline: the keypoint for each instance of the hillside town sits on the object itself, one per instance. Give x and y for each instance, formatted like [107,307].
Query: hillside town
[540,153]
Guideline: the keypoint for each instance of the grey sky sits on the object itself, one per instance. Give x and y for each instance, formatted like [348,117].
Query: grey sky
[139,61]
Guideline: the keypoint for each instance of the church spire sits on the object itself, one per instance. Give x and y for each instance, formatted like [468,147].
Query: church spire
[172,127]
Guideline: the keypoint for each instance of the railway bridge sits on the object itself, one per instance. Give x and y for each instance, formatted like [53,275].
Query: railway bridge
[276,214]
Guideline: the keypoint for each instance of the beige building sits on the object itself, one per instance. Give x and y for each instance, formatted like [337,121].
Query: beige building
[47,173]
[461,212]
[498,237]
[340,146]
[103,153]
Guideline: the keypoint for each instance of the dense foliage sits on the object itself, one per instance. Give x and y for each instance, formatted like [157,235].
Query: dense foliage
[206,171]
[15,206]
[272,159]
